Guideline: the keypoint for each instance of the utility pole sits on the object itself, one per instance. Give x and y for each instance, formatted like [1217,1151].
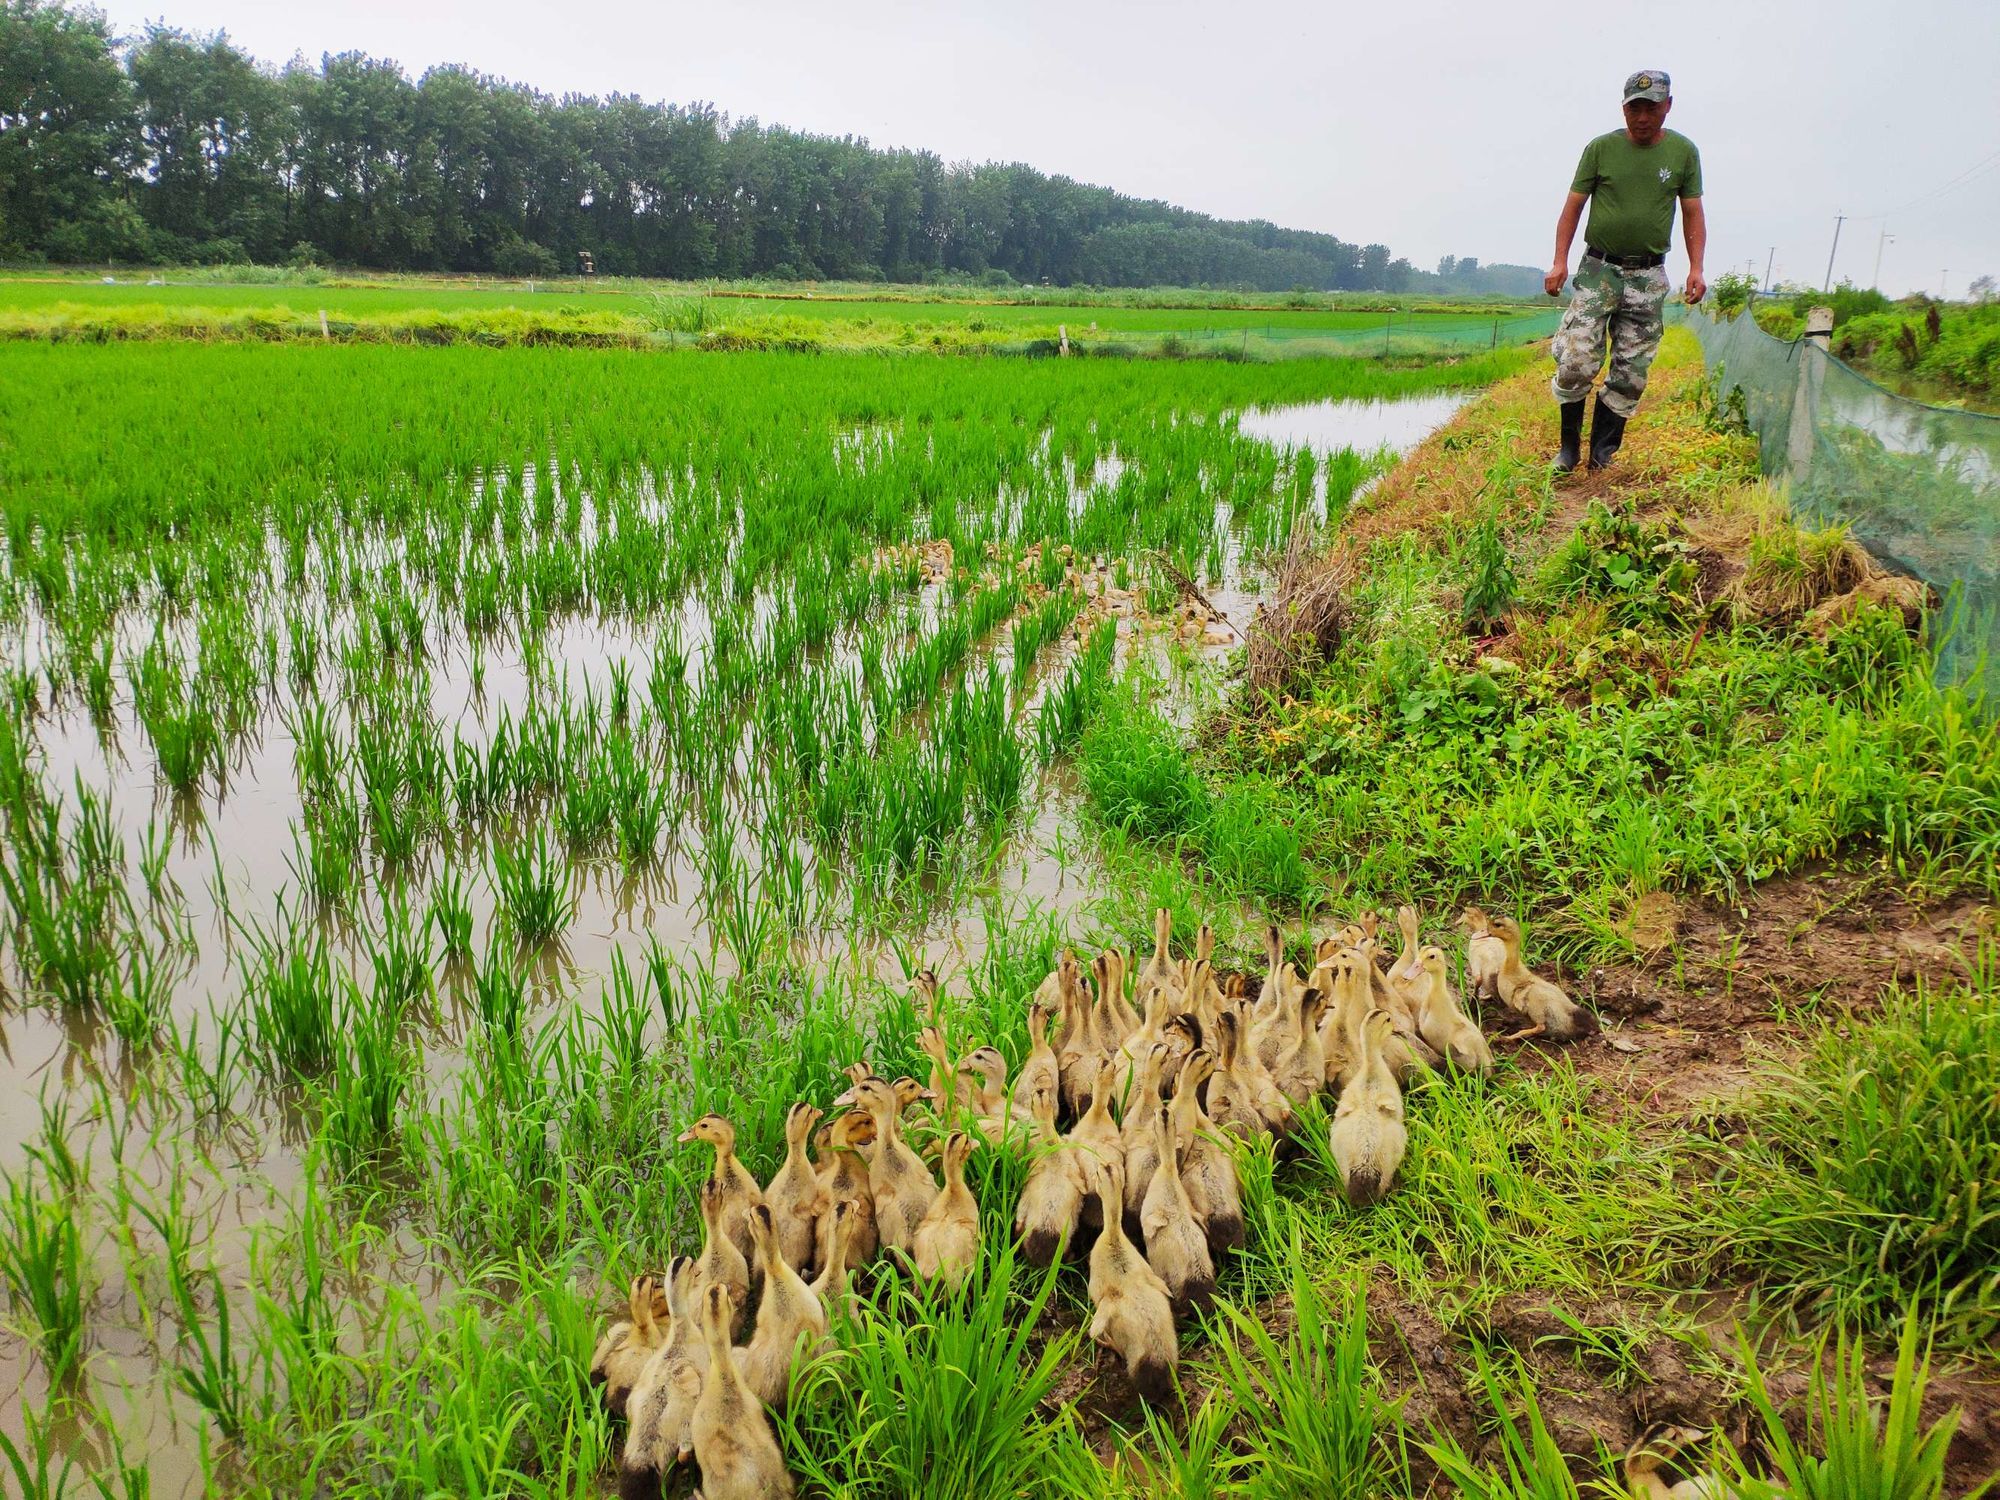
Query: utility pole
[1880,240]
[1941,276]
[1838,220]
[1769,260]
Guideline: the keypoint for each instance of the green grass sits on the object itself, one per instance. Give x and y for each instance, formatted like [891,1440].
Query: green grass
[1855,1187]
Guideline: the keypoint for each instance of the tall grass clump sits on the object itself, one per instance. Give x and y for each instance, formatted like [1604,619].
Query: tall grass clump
[1860,1182]
[1315,1421]
[932,1395]
[1852,1446]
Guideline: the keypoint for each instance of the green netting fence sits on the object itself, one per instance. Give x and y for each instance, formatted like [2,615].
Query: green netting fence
[1917,485]
[1394,334]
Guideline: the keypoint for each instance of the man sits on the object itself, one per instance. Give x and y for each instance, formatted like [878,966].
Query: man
[1630,178]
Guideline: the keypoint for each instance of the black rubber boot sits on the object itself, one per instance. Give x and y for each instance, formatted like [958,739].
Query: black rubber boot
[1572,436]
[1607,432]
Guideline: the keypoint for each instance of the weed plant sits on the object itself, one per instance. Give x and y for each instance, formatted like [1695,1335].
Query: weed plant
[1854,1187]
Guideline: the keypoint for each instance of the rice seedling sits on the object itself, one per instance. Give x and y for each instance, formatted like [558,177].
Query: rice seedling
[42,1260]
[532,885]
[1316,1421]
[294,1006]
[931,1395]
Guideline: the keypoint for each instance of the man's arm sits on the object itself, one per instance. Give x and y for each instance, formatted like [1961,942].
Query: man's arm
[1694,230]
[1566,222]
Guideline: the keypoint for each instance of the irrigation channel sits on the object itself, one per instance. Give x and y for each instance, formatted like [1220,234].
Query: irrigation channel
[392,803]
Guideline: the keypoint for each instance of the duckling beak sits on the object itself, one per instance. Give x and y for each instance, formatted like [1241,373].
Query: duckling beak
[685,1137]
[844,1099]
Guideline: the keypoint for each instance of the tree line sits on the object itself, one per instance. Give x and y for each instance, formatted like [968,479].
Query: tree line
[177,148]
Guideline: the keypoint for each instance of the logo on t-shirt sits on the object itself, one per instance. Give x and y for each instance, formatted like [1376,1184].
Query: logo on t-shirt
[1665,173]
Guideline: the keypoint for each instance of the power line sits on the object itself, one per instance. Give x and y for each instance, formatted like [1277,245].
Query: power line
[1922,198]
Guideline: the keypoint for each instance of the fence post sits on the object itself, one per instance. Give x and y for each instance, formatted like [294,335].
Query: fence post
[1496,334]
[1805,397]
[1385,334]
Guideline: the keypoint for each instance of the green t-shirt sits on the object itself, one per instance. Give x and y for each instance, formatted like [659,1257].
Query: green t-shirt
[1632,190]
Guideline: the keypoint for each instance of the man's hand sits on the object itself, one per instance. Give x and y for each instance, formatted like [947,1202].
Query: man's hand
[1697,287]
[1553,282]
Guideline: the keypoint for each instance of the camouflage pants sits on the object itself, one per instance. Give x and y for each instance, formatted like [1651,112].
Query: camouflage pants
[1626,309]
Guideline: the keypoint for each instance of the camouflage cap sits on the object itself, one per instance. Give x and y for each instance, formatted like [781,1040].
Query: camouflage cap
[1652,84]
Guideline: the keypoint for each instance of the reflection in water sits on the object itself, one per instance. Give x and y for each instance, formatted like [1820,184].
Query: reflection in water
[1327,426]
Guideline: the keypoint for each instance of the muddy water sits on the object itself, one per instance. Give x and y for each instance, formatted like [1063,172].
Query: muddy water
[229,858]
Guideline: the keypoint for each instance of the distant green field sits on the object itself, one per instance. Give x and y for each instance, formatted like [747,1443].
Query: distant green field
[446,296]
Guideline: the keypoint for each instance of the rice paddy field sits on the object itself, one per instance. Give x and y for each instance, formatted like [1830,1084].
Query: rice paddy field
[646,314]
[434,777]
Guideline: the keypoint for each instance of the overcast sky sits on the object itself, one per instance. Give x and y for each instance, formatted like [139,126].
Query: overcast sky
[1435,128]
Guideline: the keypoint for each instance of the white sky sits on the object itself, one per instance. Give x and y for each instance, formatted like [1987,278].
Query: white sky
[1435,128]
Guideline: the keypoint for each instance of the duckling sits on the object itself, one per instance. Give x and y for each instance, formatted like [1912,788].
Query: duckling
[1208,1167]
[1202,996]
[846,1182]
[1254,1084]
[947,1241]
[796,1197]
[1079,1052]
[628,1343]
[1040,1073]
[1299,1069]
[659,1430]
[830,1286]
[1137,1143]
[1179,1039]
[1160,969]
[1096,1135]
[1542,1001]
[986,1069]
[788,1311]
[1368,1135]
[739,1457]
[944,1077]
[739,1190]
[1274,1022]
[1052,1198]
[1176,1243]
[1405,979]
[1116,1019]
[1658,1448]
[1132,1311]
[1407,1055]
[1447,1028]
[720,1262]
[1229,1102]
[902,1186]
[926,985]
[1388,996]
[1485,954]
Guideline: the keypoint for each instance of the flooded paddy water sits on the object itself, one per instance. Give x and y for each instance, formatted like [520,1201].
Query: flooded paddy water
[387,873]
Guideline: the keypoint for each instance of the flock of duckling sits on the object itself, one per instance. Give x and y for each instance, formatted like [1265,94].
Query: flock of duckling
[1143,1171]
